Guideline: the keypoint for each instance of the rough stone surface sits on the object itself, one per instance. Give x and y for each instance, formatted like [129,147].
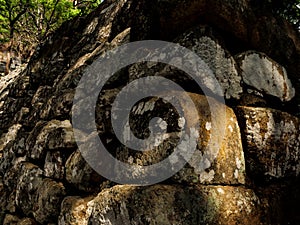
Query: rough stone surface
[218,143]
[80,174]
[163,204]
[14,220]
[43,176]
[54,165]
[265,75]
[49,196]
[218,60]
[74,210]
[54,135]
[9,105]
[272,142]
[37,196]
[9,137]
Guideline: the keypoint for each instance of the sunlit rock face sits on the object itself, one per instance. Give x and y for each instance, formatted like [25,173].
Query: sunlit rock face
[263,74]
[218,141]
[244,134]
[165,204]
[272,142]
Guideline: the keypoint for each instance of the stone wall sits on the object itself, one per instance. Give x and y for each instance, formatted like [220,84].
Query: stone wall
[253,178]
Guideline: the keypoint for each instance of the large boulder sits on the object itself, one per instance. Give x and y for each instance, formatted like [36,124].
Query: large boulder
[271,143]
[218,141]
[163,204]
[40,163]
[265,75]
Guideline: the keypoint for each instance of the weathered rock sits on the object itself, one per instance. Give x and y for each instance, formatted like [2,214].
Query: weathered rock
[38,101]
[40,96]
[14,220]
[216,57]
[58,105]
[12,148]
[10,136]
[10,219]
[54,165]
[74,210]
[48,199]
[14,95]
[265,75]
[27,221]
[8,80]
[209,163]
[81,175]
[9,107]
[9,184]
[54,135]
[83,41]
[213,60]
[162,204]
[36,134]
[253,99]
[37,196]
[271,142]
[27,186]
[218,143]
[242,27]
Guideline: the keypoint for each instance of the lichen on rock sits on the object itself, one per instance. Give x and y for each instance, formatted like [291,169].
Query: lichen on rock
[265,75]
[272,142]
[245,168]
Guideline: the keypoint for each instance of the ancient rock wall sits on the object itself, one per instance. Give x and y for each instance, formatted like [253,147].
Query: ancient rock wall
[252,178]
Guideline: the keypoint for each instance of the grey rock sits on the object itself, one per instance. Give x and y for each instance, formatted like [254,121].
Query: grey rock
[265,75]
[218,60]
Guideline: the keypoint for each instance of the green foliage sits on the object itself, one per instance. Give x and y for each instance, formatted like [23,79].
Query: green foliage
[289,9]
[86,6]
[27,22]
[11,11]
[4,30]
[45,16]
